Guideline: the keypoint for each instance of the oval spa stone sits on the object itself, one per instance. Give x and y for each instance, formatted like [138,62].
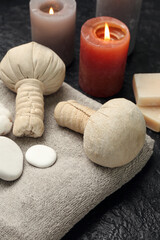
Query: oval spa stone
[41,156]
[11,160]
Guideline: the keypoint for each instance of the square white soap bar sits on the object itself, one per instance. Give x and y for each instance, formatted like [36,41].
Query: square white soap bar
[146,87]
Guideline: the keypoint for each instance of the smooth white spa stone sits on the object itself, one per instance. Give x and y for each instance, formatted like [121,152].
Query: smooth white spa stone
[11,160]
[5,125]
[41,156]
[6,120]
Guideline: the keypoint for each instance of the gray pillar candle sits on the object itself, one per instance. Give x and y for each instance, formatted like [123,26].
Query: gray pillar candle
[55,29]
[128,11]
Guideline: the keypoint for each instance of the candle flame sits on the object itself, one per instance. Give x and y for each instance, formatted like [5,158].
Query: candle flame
[106,32]
[51,11]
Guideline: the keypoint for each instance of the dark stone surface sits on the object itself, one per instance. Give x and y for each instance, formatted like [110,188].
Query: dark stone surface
[133,212]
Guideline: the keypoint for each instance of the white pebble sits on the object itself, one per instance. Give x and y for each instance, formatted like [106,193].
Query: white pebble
[41,156]
[5,120]
[11,160]
[5,125]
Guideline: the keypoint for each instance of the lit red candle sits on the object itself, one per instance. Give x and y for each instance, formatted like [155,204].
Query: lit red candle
[103,55]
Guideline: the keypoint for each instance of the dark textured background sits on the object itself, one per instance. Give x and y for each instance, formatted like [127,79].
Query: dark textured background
[133,212]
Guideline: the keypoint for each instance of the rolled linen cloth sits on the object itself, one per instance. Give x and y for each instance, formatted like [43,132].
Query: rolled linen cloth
[45,204]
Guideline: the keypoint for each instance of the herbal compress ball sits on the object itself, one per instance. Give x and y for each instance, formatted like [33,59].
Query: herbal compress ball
[32,71]
[113,136]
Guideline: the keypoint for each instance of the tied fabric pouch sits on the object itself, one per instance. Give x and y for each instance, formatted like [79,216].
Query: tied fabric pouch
[45,204]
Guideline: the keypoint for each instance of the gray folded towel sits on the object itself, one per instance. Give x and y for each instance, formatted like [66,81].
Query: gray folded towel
[45,204]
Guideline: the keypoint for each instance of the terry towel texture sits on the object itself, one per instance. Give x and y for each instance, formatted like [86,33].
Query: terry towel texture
[44,204]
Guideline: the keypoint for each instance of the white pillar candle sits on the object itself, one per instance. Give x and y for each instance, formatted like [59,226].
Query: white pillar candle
[54,30]
[128,11]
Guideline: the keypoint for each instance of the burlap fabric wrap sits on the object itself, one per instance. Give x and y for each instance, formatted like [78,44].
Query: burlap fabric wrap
[44,204]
